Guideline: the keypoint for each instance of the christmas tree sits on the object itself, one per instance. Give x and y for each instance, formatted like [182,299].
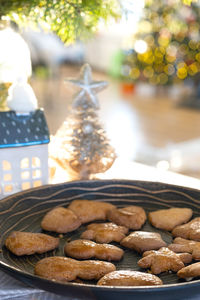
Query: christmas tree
[167,45]
[81,143]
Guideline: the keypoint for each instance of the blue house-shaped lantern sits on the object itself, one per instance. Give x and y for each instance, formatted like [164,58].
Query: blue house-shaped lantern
[24,142]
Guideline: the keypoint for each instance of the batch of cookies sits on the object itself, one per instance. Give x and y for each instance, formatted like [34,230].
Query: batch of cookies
[90,256]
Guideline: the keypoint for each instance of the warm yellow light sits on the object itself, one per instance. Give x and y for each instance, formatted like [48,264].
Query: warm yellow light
[169,69]
[163,41]
[181,65]
[140,46]
[149,39]
[192,69]
[148,72]
[183,49]
[158,53]
[134,73]
[170,58]
[198,57]
[193,45]
[159,67]
[145,26]
[182,73]
[172,50]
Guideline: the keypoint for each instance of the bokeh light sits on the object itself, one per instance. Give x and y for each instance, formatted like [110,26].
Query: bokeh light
[140,46]
[167,44]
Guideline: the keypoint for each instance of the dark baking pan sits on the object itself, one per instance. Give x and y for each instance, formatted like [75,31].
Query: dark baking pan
[25,210]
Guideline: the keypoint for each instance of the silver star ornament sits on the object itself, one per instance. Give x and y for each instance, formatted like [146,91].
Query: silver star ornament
[87,88]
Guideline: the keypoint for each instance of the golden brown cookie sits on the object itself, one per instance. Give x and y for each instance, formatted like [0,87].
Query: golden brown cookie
[129,278]
[85,249]
[141,241]
[190,230]
[180,245]
[88,210]
[104,232]
[190,271]
[132,217]
[164,260]
[27,243]
[60,220]
[167,219]
[67,269]
[94,269]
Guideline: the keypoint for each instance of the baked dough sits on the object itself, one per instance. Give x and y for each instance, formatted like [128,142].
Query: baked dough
[182,245]
[132,217]
[104,232]
[190,271]
[141,241]
[61,220]
[164,260]
[88,210]
[27,243]
[85,249]
[129,278]
[167,219]
[190,230]
[67,269]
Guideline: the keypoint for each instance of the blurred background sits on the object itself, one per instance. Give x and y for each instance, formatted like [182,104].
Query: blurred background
[151,60]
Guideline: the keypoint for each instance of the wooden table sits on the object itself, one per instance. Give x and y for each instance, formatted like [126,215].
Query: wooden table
[124,169]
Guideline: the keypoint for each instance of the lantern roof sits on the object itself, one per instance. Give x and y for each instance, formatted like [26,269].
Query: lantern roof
[18,130]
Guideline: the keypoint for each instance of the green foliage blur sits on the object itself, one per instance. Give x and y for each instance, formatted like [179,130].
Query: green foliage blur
[70,20]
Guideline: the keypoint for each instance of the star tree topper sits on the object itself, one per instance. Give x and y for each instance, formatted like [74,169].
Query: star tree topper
[88,89]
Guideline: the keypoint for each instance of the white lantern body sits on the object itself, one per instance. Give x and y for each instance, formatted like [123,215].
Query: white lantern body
[22,168]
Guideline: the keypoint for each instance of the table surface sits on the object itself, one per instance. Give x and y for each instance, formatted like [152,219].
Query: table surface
[13,289]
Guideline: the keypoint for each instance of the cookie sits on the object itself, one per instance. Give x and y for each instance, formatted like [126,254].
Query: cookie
[164,260]
[27,243]
[88,210]
[190,271]
[61,220]
[129,278]
[141,241]
[132,217]
[182,245]
[66,269]
[104,232]
[85,249]
[190,230]
[167,219]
